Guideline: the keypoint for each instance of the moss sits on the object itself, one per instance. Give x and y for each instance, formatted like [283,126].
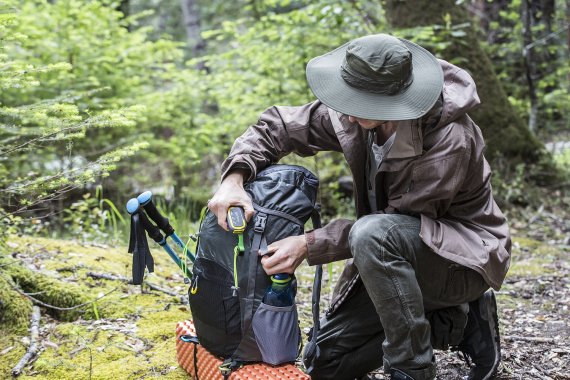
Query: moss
[149,351]
[532,257]
[526,243]
[14,351]
[135,336]
[49,290]
[160,326]
[15,310]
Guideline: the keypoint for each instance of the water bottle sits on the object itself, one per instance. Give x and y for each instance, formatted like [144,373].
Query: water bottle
[281,292]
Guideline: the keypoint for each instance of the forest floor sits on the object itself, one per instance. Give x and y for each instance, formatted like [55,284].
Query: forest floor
[133,337]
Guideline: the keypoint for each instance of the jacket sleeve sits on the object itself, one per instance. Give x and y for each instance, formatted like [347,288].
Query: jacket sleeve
[329,243]
[304,130]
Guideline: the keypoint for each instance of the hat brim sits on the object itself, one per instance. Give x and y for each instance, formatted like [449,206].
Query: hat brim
[324,79]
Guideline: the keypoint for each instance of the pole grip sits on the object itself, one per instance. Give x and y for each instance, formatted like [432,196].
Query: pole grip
[145,199]
[152,230]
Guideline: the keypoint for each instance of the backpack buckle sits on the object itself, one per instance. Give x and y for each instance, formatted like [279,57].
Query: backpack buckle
[189,339]
[260,222]
[228,366]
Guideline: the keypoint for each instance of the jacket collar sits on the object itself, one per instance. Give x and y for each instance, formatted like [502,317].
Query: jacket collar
[408,140]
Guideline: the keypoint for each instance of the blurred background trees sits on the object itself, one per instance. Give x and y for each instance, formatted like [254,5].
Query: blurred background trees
[131,95]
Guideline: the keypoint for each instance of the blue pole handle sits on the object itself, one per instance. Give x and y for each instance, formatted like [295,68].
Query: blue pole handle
[133,206]
[145,197]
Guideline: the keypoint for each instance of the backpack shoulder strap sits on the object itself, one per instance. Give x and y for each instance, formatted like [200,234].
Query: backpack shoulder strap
[260,221]
[268,211]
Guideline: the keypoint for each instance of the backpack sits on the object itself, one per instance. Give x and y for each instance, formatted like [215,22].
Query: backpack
[228,283]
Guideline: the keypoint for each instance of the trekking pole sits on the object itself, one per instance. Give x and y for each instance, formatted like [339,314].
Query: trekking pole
[134,207]
[138,245]
[145,200]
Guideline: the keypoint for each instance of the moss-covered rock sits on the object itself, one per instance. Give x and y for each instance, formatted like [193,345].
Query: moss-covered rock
[50,291]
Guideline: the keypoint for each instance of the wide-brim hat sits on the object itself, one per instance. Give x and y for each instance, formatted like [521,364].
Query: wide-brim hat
[377,77]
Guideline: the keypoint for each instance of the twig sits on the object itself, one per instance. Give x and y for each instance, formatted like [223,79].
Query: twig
[543,40]
[76,126]
[367,19]
[113,277]
[32,350]
[537,339]
[10,263]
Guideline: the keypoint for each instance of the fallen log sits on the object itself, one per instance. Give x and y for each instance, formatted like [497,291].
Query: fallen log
[33,348]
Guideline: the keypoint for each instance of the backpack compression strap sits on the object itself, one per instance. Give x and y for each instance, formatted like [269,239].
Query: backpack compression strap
[316,219]
[259,248]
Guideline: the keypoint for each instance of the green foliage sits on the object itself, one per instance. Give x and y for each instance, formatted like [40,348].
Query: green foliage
[438,38]
[549,53]
[94,218]
[249,76]
[112,53]
[516,185]
[48,114]
[563,160]
[259,61]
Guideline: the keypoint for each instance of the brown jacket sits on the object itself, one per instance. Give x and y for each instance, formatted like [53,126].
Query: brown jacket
[436,172]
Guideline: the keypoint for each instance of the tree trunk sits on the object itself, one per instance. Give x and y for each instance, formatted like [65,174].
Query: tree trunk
[530,64]
[568,22]
[191,18]
[488,12]
[505,132]
[124,7]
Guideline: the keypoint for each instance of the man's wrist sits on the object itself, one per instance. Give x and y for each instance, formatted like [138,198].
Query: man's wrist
[304,246]
[237,176]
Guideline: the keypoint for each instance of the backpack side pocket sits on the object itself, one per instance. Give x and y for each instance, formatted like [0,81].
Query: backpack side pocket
[277,333]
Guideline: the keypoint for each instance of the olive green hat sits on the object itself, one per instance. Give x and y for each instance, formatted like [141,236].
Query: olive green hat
[377,77]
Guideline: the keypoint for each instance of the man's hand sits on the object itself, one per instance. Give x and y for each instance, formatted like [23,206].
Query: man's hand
[284,256]
[231,193]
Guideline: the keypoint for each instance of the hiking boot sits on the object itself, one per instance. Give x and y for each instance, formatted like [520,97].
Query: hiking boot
[481,342]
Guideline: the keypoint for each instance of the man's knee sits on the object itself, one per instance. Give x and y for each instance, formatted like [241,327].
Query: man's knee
[392,234]
[365,233]
[375,233]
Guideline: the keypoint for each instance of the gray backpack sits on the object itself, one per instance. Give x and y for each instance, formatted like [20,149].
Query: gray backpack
[228,283]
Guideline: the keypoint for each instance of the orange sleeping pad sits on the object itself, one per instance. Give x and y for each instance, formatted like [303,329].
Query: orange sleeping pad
[208,364]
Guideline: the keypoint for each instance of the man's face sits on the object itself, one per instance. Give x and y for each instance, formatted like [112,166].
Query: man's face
[367,123]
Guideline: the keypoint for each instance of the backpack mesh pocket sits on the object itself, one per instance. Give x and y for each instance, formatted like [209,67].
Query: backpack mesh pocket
[277,333]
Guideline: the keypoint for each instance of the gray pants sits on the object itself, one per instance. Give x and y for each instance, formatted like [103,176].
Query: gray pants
[409,301]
